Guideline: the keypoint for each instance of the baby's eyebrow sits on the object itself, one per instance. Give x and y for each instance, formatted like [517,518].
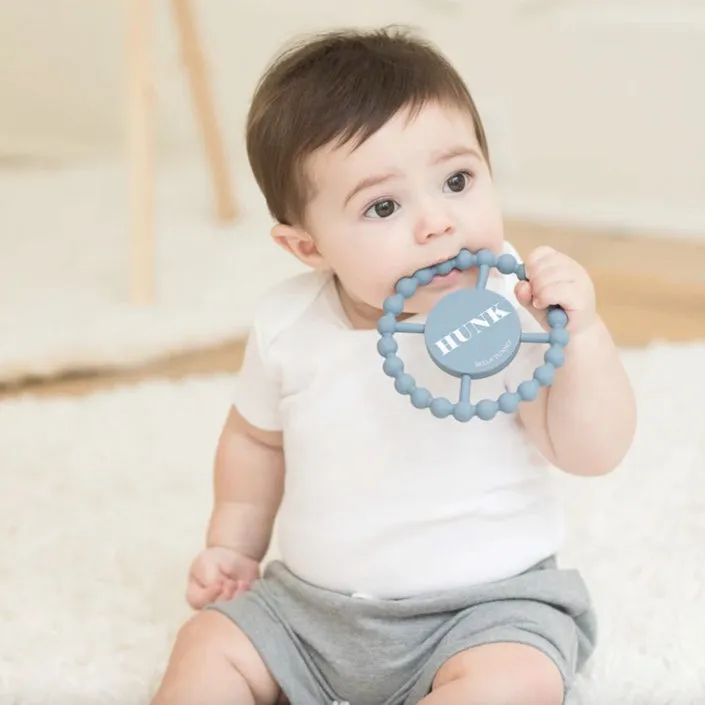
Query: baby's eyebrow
[368,182]
[444,155]
[459,150]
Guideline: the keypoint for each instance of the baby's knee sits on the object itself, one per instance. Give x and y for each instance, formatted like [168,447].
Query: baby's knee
[481,672]
[212,635]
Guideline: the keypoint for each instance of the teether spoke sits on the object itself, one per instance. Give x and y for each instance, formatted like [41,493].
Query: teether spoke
[535,338]
[465,384]
[482,277]
[402,327]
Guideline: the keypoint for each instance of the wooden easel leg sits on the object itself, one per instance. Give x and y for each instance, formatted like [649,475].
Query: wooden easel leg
[141,152]
[205,112]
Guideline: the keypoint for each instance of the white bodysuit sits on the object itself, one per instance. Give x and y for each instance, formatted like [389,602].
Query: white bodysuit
[381,498]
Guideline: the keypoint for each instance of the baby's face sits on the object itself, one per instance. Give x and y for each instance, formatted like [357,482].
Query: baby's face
[412,195]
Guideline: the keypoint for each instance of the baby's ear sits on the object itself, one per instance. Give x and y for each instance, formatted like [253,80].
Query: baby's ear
[299,243]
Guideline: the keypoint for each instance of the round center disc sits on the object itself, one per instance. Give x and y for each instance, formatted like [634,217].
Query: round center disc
[473,332]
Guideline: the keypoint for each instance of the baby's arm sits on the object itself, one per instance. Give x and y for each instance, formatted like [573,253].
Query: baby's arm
[248,486]
[585,421]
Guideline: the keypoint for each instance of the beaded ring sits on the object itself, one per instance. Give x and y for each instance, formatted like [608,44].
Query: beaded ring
[470,334]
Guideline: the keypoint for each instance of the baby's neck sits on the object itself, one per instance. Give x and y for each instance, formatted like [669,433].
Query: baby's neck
[360,316]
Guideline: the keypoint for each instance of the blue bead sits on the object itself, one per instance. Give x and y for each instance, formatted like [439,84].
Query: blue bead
[463,411]
[424,276]
[405,384]
[544,375]
[508,402]
[486,409]
[441,407]
[554,356]
[557,318]
[406,287]
[445,267]
[521,272]
[506,264]
[394,304]
[421,398]
[393,366]
[486,257]
[464,260]
[387,324]
[386,345]
[529,390]
[559,336]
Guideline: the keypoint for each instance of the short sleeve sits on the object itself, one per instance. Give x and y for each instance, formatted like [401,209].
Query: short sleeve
[257,387]
[271,353]
[530,355]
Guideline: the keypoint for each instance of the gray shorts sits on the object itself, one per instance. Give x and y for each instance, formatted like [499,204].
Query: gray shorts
[324,647]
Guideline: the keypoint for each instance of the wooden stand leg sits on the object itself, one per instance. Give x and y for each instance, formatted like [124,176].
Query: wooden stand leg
[141,152]
[205,112]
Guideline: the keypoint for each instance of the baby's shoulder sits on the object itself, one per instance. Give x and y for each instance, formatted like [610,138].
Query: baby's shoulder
[287,302]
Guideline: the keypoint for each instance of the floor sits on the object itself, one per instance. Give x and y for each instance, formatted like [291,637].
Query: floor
[649,289]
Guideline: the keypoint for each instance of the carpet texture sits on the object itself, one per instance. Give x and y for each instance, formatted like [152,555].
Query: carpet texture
[103,502]
[64,270]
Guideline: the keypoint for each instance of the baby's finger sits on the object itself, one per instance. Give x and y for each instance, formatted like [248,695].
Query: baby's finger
[551,271]
[243,586]
[538,257]
[557,294]
[543,288]
[229,589]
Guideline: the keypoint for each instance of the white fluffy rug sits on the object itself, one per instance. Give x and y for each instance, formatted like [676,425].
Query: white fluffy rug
[64,275]
[103,502]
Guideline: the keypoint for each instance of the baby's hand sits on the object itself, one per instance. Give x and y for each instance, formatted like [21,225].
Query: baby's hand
[556,279]
[219,574]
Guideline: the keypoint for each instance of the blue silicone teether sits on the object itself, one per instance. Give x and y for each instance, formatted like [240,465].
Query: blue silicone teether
[470,334]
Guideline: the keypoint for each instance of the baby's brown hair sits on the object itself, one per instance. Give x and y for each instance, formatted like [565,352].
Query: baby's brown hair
[340,86]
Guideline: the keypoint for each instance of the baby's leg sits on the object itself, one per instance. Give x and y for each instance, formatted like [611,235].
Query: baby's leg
[519,641]
[498,674]
[214,663]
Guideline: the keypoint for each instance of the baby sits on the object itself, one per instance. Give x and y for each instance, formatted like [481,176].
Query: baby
[416,555]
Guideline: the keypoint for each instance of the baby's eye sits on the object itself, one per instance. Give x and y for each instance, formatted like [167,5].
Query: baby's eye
[381,209]
[458,181]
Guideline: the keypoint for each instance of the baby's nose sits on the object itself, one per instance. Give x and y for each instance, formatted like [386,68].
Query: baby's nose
[434,224]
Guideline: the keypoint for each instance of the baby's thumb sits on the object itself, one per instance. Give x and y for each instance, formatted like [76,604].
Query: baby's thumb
[205,572]
[523,293]
[524,296]
[198,596]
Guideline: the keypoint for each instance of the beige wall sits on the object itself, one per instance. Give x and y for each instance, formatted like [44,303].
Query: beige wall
[595,108]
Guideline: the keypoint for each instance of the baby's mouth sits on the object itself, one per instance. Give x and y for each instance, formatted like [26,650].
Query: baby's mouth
[442,280]
[434,264]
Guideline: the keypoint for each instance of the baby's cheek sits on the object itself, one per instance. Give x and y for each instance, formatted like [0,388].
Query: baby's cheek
[367,284]
[374,278]
[379,288]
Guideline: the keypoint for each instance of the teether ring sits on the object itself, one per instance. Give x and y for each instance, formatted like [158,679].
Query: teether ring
[470,334]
